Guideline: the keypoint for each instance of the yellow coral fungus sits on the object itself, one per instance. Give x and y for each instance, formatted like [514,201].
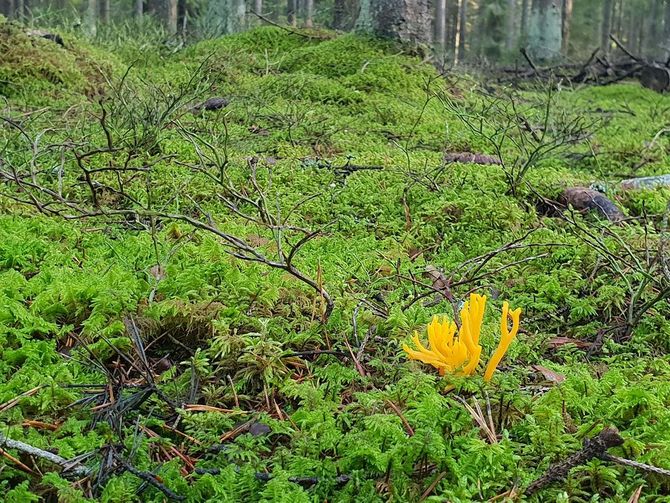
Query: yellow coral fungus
[506,338]
[460,354]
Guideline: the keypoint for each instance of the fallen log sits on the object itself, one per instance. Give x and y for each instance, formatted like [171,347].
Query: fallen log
[655,77]
[585,200]
[598,70]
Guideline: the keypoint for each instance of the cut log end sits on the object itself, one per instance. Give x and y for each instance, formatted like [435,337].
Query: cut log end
[655,77]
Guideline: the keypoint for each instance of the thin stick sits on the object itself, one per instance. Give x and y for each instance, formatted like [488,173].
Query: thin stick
[66,464]
[17,462]
[269,21]
[636,464]
[11,403]
[432,486]
[408,427]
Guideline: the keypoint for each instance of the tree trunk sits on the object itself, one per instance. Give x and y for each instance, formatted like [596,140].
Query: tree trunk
[544,35]
[339,13]
[452,33]
[462,29]
[258,7]
[20,9]
[632,30]
[642,33]
[236,16]
[309,13]
[92,17]
[566,20]
[8,8]
[139,8]
[523,29]
[510,36]
[105,11]
[440,29]
[404,20]
[666,30]
[170,15]
[291,14]
[606,27]
[654,28]
[182,15]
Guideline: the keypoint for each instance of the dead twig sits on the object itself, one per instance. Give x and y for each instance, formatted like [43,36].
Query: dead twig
[66,464]
[149,478]
[593,448]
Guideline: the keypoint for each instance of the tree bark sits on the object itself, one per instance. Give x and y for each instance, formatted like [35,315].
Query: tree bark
[92,17]
[565,23]
[20,9]
[404,20]
[8,8]
[309,13]
[666,29]
[462,29]
[440,29]
[139,8]
[105,11]
[258,7]
[170,15]
[339,12]
[654,27]
[510,36]
[544,35]
[641,32]
[182,16]
[523,29]
[606,27]
[236,16]
[452,32]
[291,14]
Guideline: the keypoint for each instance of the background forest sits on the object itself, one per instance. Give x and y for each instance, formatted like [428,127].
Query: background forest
[461,31]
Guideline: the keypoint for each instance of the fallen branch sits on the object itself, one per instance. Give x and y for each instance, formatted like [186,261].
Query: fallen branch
[593,448]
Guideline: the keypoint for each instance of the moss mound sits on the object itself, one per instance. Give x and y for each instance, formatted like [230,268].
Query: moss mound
[37,71]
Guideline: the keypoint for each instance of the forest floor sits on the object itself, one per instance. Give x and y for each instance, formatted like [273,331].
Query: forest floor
[165,275]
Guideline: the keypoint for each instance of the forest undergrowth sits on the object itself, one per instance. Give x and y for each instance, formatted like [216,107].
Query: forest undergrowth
[211,305]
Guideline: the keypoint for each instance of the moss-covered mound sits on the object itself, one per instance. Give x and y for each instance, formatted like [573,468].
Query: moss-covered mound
[37,71]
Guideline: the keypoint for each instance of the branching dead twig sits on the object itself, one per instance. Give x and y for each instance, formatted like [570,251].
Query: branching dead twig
[104,190]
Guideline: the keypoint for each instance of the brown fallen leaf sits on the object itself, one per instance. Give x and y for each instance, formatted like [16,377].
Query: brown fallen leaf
[557,342]
[40,425]
[440,281]
[549,374]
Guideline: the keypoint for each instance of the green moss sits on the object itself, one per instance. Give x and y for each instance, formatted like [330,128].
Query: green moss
[241,334]
[37,71]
